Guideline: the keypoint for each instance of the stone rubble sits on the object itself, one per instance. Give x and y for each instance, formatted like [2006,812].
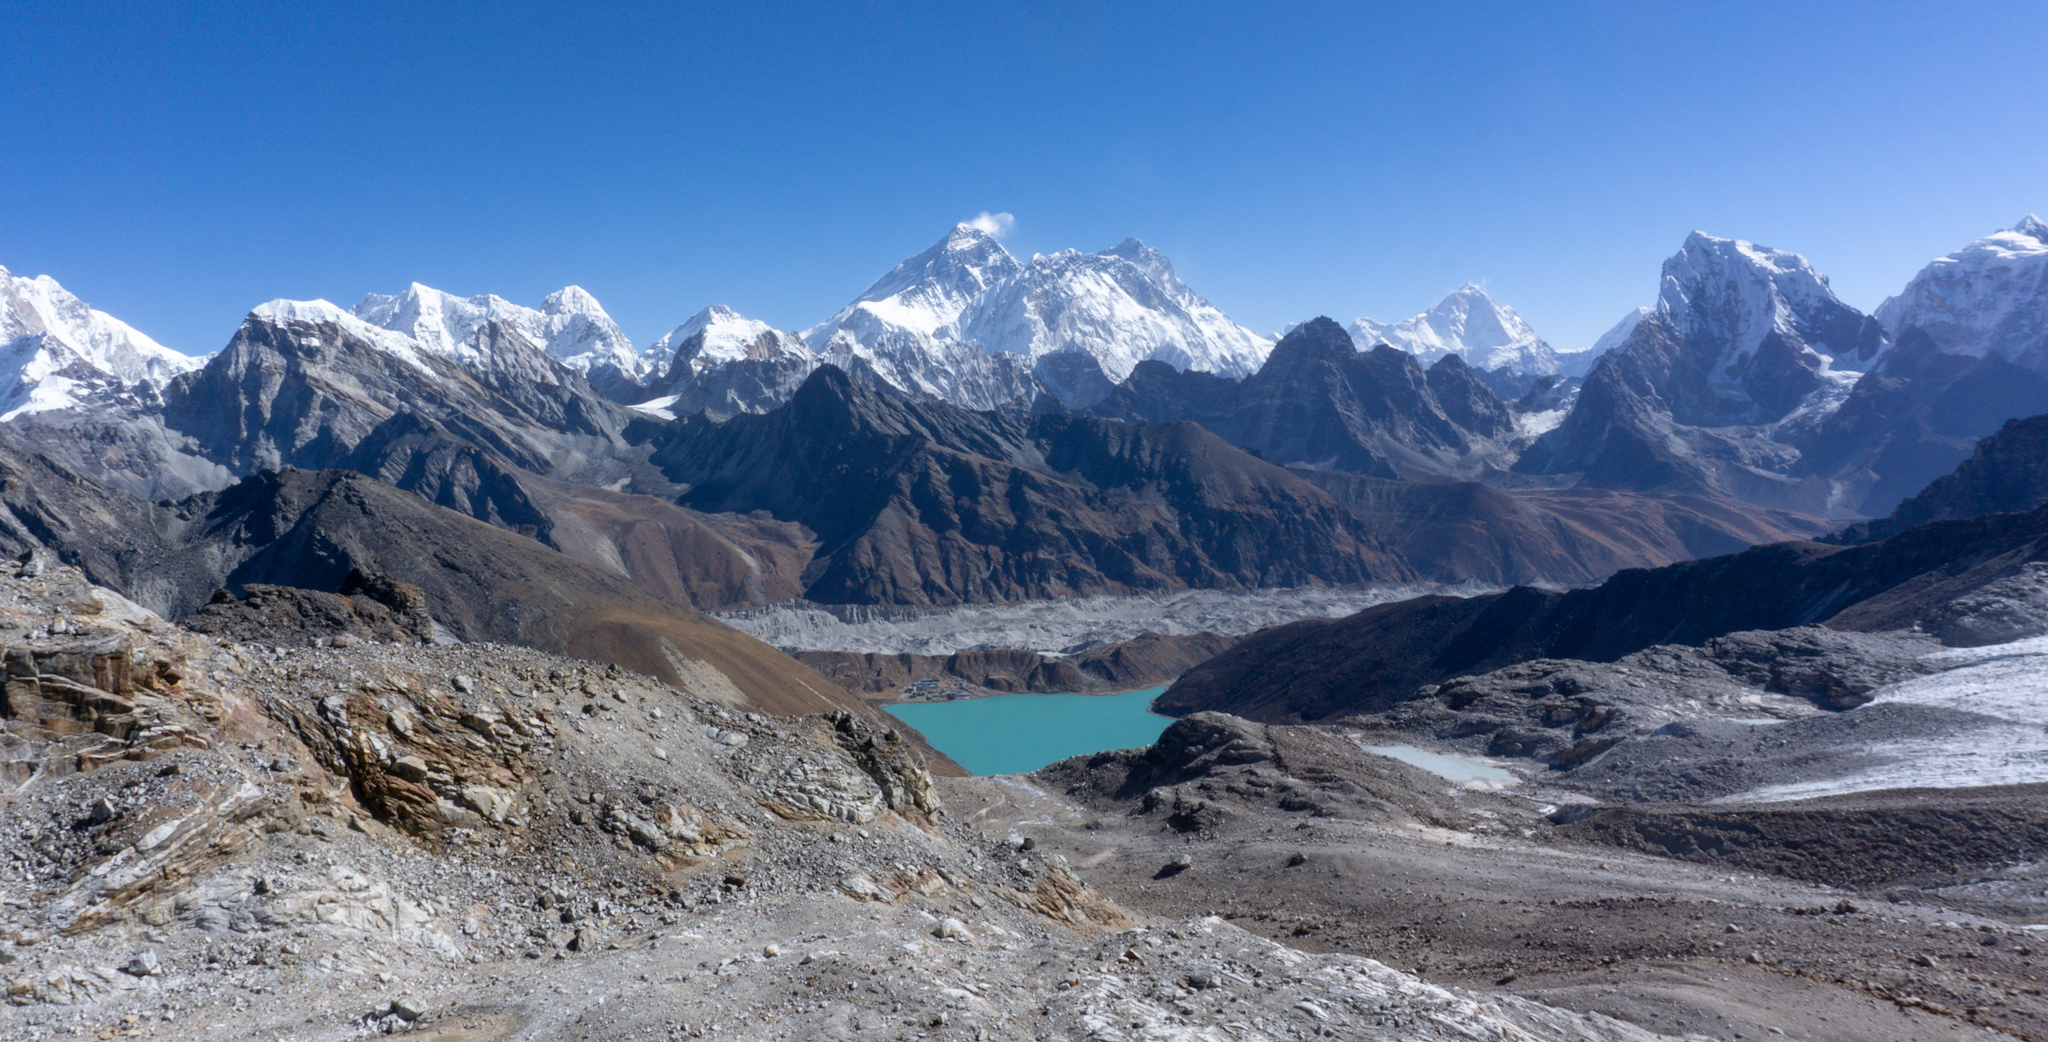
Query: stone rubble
[203,838]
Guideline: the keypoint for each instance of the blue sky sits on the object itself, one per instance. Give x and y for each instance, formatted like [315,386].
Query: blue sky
[177,163]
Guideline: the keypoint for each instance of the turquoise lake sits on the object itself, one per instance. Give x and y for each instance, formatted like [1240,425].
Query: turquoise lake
[1011,734]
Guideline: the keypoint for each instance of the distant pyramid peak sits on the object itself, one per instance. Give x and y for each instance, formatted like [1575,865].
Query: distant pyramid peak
[570,299]
[2032,227]
[966,236]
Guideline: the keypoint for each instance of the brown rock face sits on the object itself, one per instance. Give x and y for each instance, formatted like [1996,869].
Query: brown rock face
[369,607]
[77,696]
[926,504]
[1462,530]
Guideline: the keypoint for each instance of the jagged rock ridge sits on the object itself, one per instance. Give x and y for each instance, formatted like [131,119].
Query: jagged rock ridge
[924,503]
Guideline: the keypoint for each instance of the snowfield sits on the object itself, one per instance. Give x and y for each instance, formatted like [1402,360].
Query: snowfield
[1994,701]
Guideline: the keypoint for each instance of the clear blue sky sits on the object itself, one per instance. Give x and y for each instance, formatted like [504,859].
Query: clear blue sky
[177,163]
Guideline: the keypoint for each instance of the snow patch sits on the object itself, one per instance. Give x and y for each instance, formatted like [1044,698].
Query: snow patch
[1999,694]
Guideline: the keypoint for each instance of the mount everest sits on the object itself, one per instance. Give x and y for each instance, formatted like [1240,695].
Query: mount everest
[1747,379]
[1121,306]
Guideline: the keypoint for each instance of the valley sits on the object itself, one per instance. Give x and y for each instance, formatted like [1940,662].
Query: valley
[1028,650]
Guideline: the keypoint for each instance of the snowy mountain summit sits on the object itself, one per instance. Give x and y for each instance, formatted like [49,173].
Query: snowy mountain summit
[1121,306]
[718,334]
[570,326]
[1990,297]
[1484,332]
[57,353]
[1733,297]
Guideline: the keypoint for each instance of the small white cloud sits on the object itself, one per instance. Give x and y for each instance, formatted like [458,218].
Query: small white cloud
[995,225]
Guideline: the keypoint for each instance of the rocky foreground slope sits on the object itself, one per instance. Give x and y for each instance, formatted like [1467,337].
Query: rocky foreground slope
[203,838]
[1883,917]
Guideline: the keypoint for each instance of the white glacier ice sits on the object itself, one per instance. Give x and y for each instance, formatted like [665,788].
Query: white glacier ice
[1988,297]
[570,326]
[57,353]
[1999,697]
[1120,306]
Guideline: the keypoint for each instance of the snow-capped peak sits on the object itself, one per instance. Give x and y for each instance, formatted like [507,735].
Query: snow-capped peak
[718,334]
[570,326]
[1468,323]
[56,353]
[1148,260]
[1732,294]
[1122,306]
[1989,296]
[1619,333]
[926,294]
[1580,362]
[282,312]
[571,300]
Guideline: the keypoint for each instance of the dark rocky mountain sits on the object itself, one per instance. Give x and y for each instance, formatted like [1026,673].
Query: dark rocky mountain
[2008,472]
[1384,655]
[306,388]
[1458,531]
[1711,389]
[925,503]
[1629,428]
[1914,417]
[1738,383]
[313,530]
[1320,402]
[503,434]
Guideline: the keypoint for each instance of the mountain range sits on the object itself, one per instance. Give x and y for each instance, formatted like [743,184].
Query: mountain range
[976,427]
[1749,379]
[445,695]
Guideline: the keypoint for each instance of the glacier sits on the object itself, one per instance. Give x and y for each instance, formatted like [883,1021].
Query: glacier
[1995,699]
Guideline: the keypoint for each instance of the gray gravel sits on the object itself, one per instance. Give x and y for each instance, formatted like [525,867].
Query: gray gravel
[1050,627]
